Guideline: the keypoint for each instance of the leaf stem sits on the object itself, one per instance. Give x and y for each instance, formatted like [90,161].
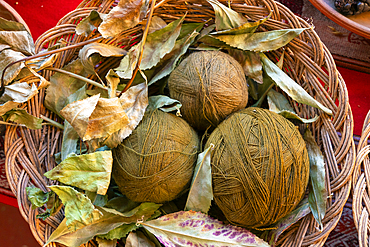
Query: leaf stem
[260,100]
[52,122]
[82,78]
[2,88]
[141,48]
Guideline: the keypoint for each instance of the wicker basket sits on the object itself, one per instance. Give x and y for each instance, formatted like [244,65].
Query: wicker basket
[361,174]
[29,153]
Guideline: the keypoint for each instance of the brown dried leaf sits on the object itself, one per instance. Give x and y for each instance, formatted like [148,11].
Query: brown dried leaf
[8,56]
[127,14]
[138,239]
[90,23]
[19,41]
[104,50]
[7,25]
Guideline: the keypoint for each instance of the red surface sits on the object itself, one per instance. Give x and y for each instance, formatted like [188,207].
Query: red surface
[42,15]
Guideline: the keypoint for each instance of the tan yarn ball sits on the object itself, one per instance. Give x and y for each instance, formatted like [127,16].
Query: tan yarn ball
[260,167]
[156,162]
[210,85]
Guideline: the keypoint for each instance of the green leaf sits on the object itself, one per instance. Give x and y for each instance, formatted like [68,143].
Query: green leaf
[249,27]
[37,197]
[250,62]
[70,136]
[189,28]
[294,90]
[19,41]
[201,194]
[125,15]
[79,210]
[110,220]
[213,42]
[169,61]
[164,103]
[280,105]
[199,229]
[89,23]
[90,172]
[157,45]
[138,239]
[120,232]
[20,116]
[262,41]
[301,211]
[317,195]
[226,18]
[8,56]
[102,49]
[62,86]
[54,205]
[106,243]
[7,25]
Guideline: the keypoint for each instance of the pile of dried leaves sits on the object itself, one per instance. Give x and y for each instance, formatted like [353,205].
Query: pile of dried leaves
[105,115]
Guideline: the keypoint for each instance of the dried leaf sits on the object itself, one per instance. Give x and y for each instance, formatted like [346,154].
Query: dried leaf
[280,105]
[262,41]
[294,90]
[127,14]
[37,197]
[213,42]
[91,172]
[301,211]
[89,23]
[113,81]
[157,45]
[138,239]
[317,195]
[62,86]
[134,102]
[70,136]
[120,232]
[15,94]
[8,56]
[79,210]
[199,229]
[110,220]
[169,61]
[20,116]
[155,24]
[106,243]
[201,194]
[226,18]
[7,25]
[164,103]
[251,63]
[43,82]
[19,41]
[249,27]
[104,50]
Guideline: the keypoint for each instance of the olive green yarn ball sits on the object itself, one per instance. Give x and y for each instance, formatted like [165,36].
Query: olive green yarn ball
[210,86]
[260,167]
[156,162]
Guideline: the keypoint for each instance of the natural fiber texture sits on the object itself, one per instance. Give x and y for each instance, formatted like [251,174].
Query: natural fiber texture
[361,186]
[210,85]
[260,167]
[29,153]
[156,162]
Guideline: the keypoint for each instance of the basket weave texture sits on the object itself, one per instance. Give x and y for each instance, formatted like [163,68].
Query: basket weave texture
[361,176]
[29,153]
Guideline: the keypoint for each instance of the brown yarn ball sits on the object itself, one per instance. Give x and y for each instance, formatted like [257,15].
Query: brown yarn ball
[210,86]
[260,167]
[156,162]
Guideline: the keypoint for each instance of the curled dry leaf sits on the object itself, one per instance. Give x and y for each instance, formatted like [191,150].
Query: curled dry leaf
[89,23]
[127,14]
[8,56]
[113,81]
[164,103]
[15,94]
[104,50]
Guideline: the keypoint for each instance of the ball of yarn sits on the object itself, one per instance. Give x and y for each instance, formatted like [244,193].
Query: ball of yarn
[156,162]
[210,85]
[260,167]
